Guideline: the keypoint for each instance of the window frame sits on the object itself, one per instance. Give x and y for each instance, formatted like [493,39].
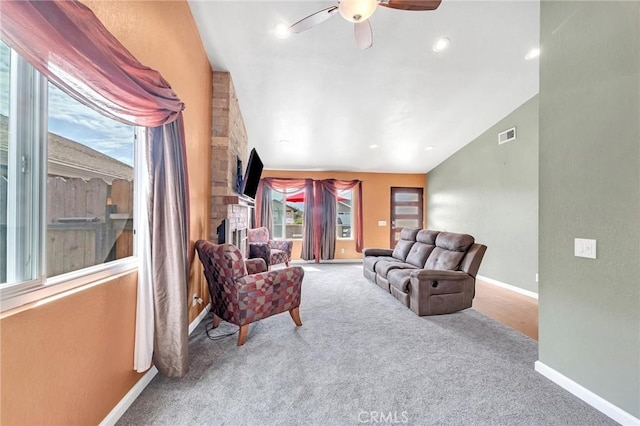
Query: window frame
[350,237]
[28,106]
[285,194]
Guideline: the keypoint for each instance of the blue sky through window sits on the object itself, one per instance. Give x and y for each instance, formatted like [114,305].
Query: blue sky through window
[70,119]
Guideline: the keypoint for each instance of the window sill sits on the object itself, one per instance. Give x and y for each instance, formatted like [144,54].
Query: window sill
[64,284]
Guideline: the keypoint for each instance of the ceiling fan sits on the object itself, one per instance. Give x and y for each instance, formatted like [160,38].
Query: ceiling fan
[358,12]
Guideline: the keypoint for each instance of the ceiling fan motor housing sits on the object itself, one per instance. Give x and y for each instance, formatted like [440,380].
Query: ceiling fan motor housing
[357,10]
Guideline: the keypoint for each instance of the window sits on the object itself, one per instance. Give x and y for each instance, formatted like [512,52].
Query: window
[66,182]
[344,214]
[288,214]
[89,209]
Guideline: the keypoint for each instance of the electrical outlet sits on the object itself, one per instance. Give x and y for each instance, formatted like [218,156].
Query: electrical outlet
[196,300]
[341,251]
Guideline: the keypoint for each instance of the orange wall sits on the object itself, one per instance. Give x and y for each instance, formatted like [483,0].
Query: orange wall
[376,204]
[69,361]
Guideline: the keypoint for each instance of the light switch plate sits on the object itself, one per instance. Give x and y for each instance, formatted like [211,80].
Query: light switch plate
[585,248]
[382,223]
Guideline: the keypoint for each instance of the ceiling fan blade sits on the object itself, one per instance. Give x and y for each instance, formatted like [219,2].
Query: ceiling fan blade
[364,34]
[313,20]
[411,4]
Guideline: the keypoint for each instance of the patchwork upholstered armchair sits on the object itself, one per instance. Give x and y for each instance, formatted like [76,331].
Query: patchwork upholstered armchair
[244,292]
[272,251]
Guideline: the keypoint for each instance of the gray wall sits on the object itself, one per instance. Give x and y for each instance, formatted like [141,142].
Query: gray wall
[491,192]
[590,188]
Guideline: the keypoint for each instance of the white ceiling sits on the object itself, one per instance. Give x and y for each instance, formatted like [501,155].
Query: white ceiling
[331,101]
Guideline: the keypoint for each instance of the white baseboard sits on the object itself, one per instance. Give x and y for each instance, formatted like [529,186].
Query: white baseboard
[141,384]
[304,262]
[508,286]
[597,402]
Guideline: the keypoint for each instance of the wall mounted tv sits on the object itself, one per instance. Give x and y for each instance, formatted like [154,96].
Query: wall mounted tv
[251,177]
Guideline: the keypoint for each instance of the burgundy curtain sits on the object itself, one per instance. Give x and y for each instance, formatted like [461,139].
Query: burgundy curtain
[314,210]
[307,252]
[67,43]
[329,225]
[288,186]
[322,210]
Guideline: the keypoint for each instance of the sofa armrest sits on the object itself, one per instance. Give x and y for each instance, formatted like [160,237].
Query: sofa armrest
[377,252]
[433,292]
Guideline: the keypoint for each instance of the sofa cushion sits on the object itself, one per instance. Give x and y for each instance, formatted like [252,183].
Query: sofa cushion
[384,266]
[400,278]
[407,239]
[418,254]
[370,261]
[409,233]
[427,237]
[449,251]
[454,242]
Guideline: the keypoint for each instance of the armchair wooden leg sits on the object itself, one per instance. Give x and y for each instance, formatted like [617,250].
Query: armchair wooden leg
[286,264]
[242,336]
[216,321]
[295,315]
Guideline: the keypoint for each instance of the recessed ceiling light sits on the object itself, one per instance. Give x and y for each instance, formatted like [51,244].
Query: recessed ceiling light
[281,31]
[373,146]
[429,148]
[441,44]
[284,143]
[533,53]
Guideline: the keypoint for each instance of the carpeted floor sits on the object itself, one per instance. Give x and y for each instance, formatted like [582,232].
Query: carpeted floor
[361,357]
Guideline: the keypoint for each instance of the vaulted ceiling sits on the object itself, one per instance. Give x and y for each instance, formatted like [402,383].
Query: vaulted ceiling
[315,101]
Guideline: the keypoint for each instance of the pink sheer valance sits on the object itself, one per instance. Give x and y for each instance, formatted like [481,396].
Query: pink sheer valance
[68,44]
[276,184]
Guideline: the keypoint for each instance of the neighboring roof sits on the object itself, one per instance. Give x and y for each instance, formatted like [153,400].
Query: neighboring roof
[68,158]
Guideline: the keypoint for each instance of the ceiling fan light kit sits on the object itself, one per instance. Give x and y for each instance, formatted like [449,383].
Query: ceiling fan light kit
[357,10]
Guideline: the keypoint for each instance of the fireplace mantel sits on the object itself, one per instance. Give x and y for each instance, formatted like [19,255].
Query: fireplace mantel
[237,200]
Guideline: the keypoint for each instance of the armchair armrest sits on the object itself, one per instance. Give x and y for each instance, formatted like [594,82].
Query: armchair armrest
[284,245]
[282,287]
[377,252]
[256,265]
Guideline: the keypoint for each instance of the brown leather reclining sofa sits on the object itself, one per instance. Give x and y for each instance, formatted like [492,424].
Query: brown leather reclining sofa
[430,272]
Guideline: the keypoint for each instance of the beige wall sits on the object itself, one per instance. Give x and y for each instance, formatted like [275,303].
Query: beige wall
[376,204]
[69,361]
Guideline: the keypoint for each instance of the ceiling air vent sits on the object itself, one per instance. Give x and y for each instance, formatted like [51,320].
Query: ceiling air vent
[506,136]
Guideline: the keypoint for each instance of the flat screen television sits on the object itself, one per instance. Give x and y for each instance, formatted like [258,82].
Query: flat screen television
[251,177]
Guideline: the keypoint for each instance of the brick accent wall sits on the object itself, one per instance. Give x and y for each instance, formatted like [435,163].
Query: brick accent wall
[228,141]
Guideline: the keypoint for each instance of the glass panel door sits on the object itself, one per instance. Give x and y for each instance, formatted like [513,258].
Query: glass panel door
[406,211]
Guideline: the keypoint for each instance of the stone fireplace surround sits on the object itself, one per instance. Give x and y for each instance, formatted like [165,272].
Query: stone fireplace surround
[228,144]
[238,221]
